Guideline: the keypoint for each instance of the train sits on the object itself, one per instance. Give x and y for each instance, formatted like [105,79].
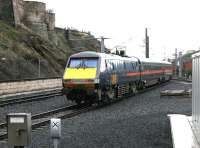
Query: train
[100,77]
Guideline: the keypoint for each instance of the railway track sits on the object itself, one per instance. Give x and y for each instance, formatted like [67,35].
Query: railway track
[43,119]
[153,87]
[143,91]
[30,98]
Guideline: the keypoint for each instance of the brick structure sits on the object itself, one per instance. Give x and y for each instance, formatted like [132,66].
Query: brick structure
[29,14]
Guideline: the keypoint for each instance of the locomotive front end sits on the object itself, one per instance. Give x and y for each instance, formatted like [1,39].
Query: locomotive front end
[80,80]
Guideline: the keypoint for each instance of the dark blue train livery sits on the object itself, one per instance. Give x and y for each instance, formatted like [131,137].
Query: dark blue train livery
[99,77]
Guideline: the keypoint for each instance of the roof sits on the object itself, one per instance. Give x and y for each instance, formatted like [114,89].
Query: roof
[102,55]
[113,56]
[197,54]
[153,61]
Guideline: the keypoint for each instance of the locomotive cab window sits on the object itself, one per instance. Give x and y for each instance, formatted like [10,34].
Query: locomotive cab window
[83,63]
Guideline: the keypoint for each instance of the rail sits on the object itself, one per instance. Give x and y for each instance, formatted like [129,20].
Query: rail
[44,118]
[63,113]
[31,79]
[30,98]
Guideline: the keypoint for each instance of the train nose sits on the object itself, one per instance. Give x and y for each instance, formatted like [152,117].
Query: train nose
[77,94]
[81,73]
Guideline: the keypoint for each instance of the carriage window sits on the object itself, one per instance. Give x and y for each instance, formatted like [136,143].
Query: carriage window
[117,65]
[134,65]
[114,62]
[129,66]
[121,66]
[124,65]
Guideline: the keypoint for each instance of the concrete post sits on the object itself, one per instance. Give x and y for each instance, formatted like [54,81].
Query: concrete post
[39,63]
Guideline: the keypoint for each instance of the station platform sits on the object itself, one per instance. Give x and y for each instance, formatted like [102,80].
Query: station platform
[183,133]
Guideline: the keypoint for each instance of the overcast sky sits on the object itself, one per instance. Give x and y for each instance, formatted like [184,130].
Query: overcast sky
[171,23]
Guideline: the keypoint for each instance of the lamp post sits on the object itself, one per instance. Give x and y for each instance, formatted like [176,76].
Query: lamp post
[39,62]
[180,64]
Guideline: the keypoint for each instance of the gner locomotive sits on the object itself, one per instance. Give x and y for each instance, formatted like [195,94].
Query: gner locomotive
[90,76]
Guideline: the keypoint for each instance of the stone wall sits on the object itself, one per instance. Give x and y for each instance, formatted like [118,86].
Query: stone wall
[35,17]
[6,11]
[18,9]
[30,14]
[34,12]
[27,86]
[50,20]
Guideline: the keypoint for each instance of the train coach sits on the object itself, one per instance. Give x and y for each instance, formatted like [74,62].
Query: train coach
[99,77]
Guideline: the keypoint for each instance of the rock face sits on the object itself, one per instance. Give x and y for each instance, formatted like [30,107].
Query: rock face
[29,14]
[30,44]
[25,55]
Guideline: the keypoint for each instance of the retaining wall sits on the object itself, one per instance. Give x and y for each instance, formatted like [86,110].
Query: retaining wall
[27,86]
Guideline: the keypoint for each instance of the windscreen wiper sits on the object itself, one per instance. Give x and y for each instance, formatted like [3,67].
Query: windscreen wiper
[78,66]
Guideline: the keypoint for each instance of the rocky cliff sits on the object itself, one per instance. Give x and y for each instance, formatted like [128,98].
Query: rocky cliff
[25,55]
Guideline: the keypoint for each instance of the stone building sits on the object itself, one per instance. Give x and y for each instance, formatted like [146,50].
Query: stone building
[31,15]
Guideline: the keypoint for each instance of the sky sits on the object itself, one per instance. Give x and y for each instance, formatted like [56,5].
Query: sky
[171,23]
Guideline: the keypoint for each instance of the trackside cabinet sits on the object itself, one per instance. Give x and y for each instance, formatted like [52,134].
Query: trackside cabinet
[19,129]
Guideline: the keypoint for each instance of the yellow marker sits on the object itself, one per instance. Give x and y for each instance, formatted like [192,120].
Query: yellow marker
[80,73]
[114,79]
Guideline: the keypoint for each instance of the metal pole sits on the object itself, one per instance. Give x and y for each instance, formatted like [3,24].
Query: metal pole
[180,64]
[102,45]
[147,43]
[39,67]
[176,56]
[55,143]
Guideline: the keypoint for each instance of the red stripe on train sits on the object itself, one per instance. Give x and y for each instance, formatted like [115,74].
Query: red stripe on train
[147,72]
[133,74]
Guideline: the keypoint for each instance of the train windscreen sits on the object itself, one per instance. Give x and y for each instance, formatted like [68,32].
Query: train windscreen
[83,63]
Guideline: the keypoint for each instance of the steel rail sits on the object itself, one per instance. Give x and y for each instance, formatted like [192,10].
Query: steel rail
[64,115]
[43,114]
[79,111]
[30,98]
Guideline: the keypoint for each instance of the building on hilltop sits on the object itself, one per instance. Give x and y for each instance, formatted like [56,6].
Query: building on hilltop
[31,15]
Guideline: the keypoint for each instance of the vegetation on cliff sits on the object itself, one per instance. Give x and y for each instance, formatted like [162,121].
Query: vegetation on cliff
[25,55]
